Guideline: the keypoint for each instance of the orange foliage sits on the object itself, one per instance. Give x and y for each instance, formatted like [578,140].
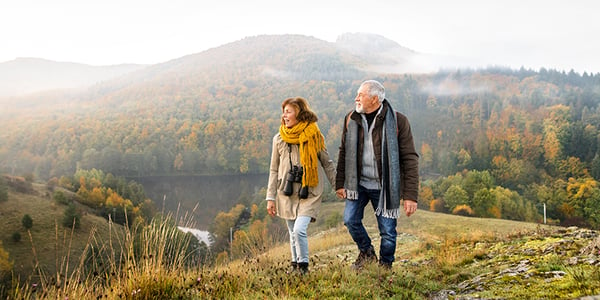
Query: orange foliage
[495,212]
[463,210]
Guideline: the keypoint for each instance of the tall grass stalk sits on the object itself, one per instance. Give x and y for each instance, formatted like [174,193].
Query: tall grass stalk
[146,259]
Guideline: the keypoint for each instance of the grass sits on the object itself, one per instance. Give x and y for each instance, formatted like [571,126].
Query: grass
[472,257]
[48,245]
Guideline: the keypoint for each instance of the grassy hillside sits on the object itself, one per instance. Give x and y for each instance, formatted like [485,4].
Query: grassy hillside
[439,256]
[48,245]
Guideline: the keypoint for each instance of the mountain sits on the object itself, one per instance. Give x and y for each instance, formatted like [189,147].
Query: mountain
[214,112]
[30,75]
[281,56]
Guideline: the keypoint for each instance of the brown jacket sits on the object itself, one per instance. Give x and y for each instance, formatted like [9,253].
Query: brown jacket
[409,159]
[290,207]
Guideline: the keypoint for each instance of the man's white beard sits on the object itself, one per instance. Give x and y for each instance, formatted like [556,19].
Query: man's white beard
[359,109]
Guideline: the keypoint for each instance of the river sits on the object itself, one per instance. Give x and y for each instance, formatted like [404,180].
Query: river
[197,200]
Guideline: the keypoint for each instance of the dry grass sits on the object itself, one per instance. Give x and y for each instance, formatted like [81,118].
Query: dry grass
[435,252]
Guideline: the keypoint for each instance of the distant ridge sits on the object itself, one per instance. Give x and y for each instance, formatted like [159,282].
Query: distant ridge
[279,55]
[28,75]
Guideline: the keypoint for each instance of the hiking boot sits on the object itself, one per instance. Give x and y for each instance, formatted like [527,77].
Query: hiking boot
[364,257]
[385,265]
[303,268]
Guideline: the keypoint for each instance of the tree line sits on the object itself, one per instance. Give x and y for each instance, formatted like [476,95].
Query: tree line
[534,133]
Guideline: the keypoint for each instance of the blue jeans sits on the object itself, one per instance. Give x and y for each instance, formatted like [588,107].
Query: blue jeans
[353,215]
[298,238]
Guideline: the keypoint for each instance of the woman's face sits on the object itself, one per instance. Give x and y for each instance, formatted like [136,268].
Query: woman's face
[289,116]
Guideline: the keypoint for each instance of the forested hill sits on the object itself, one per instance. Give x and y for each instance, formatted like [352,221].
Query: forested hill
[206,113]
[532,133]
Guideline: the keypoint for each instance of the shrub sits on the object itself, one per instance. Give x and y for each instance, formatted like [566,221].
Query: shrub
[16,237]
[60,198]
[463,210]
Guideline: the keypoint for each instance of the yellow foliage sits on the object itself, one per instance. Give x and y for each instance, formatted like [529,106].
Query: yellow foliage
[5,264]
[113,199]
[581,190]
[426,195]
[96,197]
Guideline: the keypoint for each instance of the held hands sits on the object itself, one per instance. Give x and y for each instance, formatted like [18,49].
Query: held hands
[410,207]
[341,193]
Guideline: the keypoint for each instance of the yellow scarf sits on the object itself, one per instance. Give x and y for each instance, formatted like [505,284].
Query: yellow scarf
[311,142]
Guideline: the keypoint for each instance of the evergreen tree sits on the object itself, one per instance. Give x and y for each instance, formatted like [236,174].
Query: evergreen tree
[71,217]
[27,221]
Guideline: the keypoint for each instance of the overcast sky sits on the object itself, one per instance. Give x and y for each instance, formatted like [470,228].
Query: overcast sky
[556,34]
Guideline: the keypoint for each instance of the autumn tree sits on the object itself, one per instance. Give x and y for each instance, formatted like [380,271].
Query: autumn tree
[583,198]
[225,224]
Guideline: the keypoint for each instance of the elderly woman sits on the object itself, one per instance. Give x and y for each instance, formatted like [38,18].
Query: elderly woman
[299,166]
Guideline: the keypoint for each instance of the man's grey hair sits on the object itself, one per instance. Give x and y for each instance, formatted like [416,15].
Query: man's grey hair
[375,88]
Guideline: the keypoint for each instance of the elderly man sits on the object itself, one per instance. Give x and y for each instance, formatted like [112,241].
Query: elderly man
[377,164]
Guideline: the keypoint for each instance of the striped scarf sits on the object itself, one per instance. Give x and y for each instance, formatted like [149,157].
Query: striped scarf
[311,142]
[389,197]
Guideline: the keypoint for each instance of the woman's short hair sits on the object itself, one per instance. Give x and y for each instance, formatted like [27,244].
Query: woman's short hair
[304,111]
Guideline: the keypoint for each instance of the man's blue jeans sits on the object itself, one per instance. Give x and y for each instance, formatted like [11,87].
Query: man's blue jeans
[353,215]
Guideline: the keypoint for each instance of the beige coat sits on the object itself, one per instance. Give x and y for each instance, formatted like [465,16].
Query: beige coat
[290,207]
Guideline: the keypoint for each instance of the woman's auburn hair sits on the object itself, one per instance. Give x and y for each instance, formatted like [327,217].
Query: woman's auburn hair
[304,111]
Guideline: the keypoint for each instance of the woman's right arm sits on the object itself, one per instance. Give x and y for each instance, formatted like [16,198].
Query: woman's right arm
[273,171]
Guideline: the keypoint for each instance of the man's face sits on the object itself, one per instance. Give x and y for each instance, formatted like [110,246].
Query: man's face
[365,103]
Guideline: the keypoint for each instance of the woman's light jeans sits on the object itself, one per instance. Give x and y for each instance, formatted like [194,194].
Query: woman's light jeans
[298,238]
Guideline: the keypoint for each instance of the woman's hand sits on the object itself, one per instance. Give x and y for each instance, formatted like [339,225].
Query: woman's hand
[271,207]
[341,193]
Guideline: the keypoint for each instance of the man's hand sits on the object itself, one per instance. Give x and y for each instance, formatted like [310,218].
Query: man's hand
[271,207]
[410,207]
[341,193]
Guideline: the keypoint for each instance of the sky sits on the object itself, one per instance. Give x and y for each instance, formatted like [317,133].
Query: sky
[553,34]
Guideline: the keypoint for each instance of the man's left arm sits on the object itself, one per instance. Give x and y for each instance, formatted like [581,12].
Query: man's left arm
[409,165]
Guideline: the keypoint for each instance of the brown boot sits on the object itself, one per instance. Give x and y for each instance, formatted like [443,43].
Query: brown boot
[364,257]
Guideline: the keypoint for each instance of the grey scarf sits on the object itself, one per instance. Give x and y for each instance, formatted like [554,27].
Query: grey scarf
[389,197]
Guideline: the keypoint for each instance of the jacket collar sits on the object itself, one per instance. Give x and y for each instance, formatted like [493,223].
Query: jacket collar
[356,116]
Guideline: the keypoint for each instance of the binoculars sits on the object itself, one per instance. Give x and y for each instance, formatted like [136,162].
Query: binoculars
[295,175]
